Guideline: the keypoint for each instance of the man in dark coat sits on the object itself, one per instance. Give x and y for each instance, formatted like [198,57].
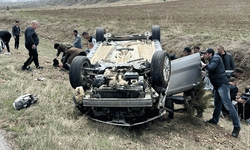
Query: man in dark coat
[217,76]
[31,43]
[226,57]
[16,34]
[6,36]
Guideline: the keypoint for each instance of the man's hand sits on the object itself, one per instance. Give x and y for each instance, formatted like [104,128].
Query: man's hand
[33,46]
[243,101]
[203,64]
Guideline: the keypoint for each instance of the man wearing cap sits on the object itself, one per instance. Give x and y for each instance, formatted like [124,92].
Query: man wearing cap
[217,76]
[78,40]
[187,51]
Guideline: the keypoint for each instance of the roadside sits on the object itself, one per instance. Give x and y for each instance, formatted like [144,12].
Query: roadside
[3,144]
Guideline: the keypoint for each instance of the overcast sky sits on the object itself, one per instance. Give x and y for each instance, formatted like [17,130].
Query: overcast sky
[16,0]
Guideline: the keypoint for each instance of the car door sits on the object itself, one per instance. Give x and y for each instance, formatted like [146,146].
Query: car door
[185,74]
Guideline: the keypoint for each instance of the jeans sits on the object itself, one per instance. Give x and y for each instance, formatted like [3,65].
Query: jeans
[222,95]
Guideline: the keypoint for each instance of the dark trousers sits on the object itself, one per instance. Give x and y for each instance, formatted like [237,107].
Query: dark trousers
[33,56]
[17,42]
[7,46]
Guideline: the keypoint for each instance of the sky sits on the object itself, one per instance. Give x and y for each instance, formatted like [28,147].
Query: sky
[16,0]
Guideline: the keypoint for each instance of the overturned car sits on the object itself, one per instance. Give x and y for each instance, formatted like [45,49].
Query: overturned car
[129,80]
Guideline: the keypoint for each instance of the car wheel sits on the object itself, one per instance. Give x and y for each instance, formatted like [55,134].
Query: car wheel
[156,34]
[77,75]
[100,34]
[160,68]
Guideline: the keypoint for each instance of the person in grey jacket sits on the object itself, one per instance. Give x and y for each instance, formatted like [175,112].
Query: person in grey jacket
[226,57]
[31,43]
[217,76]
[78,40]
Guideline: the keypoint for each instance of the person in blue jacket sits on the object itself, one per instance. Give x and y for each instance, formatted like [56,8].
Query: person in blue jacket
[216,73]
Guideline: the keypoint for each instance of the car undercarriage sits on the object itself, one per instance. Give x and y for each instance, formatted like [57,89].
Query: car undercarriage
[125,80]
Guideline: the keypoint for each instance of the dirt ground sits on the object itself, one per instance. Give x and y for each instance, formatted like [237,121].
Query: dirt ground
[206,23]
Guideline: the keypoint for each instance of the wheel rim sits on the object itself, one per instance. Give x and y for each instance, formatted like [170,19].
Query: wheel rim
[166,69]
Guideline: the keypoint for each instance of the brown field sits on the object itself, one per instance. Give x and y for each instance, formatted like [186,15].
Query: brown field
[54,124]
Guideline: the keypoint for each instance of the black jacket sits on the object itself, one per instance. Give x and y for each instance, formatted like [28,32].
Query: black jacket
[227,61]
[5,36]
[31,37]
[216,71]
[15,30]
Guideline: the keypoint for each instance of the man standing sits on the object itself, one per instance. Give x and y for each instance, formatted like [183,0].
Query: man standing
[217,76]
[78,40]
[91,40]
[31,42]
[16,33]
[226,57]
[6,36]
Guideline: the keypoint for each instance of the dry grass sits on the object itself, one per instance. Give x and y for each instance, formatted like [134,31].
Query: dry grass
[54,124]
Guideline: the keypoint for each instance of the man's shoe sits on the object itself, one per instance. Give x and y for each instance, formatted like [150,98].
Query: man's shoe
[236,131]
[26,68]
[39,67]
[211,121]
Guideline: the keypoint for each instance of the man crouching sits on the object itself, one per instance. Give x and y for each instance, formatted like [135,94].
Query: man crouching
[69,53]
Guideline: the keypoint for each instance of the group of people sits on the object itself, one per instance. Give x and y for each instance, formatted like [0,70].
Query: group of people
[221,72]
[32,40]
[5,37]
[70,51]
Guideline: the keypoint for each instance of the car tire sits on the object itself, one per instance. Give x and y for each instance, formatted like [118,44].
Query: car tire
[100,34]
[156,33]
[77,74]
[160,68]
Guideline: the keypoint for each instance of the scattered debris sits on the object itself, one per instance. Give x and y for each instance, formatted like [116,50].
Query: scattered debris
[24,101]
[40,79]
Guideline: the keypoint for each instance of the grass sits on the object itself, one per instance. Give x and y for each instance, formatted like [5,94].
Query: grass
[53,123]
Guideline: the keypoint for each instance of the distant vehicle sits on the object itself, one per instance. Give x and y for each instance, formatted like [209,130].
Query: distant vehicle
[130,80]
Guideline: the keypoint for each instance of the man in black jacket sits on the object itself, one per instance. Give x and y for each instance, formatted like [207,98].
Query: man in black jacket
[31,42]
[6,36]
[226,57]
[217,76]
[16,34]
